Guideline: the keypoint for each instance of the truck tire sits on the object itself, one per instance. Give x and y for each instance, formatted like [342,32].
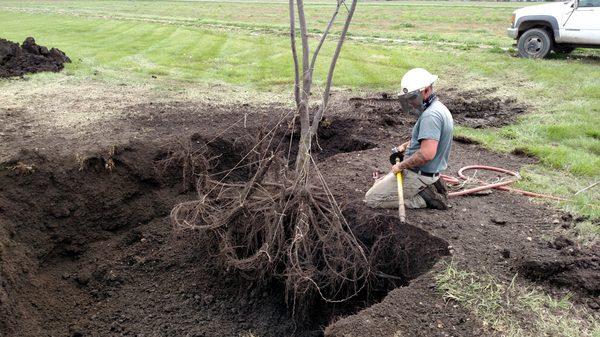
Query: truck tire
[535,43]
[563,49]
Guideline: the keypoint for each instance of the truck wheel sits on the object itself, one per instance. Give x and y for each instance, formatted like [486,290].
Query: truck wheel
[563,49]
[535,43]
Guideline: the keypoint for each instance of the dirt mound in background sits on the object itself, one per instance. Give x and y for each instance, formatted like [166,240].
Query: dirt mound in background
[476,109]
[28,58]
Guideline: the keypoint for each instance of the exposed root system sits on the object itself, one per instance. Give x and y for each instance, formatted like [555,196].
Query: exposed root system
[280,229]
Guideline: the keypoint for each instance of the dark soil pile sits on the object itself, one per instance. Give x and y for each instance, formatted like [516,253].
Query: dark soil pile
[28,58]
[574,267]
[480,108]
[472,108]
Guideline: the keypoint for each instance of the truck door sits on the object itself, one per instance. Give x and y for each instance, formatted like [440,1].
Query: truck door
[583,25]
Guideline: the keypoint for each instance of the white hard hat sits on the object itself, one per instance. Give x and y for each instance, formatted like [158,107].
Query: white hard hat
[416,79]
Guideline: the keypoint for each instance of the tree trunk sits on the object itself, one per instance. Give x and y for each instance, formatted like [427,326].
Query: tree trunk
[307,129]
[303,157]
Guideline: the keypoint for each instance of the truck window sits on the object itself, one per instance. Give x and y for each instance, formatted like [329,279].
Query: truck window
[589,3]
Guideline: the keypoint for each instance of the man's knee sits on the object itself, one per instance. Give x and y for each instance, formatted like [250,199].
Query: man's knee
[378,203]
[390,203]
[415,202]
[383,193]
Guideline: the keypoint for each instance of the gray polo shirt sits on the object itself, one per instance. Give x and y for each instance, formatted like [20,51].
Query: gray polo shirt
[434,123]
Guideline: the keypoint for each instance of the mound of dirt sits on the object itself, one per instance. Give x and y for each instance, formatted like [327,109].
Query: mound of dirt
[417,310]
[472,108]
[479,109]
[575,268]
[28,58]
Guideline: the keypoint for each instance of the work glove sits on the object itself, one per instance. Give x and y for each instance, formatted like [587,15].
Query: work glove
[396,154]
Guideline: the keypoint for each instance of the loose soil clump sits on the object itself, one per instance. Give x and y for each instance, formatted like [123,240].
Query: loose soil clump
[29,58]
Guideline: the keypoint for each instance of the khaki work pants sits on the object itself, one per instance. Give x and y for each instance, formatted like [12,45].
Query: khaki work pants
[384,192]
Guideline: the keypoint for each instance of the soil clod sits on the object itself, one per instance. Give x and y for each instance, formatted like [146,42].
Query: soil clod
[499,221]
[561,242]
[28,58]
[577,269]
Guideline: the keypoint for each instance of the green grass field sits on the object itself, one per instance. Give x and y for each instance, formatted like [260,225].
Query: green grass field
[464,23]
[243,43]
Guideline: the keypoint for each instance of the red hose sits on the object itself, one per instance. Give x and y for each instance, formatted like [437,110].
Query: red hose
[485,186]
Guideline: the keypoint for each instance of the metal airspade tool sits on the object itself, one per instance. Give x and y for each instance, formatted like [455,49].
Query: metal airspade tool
[401,210]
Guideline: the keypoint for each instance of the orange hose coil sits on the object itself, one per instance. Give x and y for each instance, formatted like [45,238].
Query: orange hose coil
[503,185]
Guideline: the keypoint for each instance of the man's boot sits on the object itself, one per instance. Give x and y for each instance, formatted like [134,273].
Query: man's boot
[435,195]
[441,187]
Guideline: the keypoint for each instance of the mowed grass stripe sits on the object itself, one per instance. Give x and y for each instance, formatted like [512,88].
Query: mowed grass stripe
[466,23]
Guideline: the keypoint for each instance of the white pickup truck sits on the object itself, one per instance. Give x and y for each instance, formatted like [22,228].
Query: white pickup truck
[558,26]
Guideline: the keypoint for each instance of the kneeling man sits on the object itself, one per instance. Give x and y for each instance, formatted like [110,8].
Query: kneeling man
[425,155]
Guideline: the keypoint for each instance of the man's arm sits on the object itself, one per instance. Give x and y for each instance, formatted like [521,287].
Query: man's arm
[426,152]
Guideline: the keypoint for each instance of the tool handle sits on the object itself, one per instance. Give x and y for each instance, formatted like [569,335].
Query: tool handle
[401,210]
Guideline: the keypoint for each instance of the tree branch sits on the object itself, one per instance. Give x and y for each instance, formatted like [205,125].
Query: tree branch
[324,36]
[294,55]
[319,115]
[306,79]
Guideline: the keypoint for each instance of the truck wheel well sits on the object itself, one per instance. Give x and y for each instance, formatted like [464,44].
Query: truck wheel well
[525,26]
